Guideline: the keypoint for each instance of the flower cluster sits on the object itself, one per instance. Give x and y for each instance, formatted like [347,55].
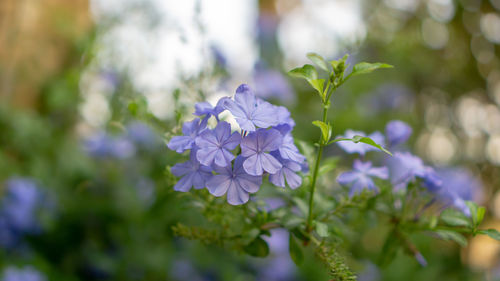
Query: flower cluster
[404,168]
[264,146]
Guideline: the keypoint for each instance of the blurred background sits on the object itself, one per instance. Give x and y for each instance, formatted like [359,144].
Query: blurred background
[90,90]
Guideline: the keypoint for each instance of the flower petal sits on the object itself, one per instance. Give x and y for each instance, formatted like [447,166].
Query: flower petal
[269,163]
[236,195]
[218,184]
[253,166]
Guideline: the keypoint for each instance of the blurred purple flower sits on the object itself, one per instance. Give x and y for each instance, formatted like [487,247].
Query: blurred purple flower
[27,273]
[369,273]
[121,148]
[214,146]
[458,186]
[249,111]
[191,130]
[397,132]
[272,84]
[405,167]
[235,182]
[361,148]
[287,171]
[194,174]
[20,204]
[360,177]
[388,97]
[102,145]
[141,134]
[255,146]
[279,266]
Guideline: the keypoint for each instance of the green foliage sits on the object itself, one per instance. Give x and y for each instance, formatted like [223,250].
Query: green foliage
[318,60]
[257,248]
[493,233]
[365,67]
[335,263]
[453,236]
[295,250]
[326,130]
[454,217]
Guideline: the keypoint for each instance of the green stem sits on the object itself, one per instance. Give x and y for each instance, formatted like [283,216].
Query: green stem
[315,174]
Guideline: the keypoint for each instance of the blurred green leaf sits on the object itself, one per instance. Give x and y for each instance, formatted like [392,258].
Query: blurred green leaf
[366,67]
[318,60]
[339,65]
[295,251]
[257,248]
[301,204]
[307,72]
[390,249]
[493,233]
[322,229]
[328,164]
[455,218]
[473,212]
[480,214]
[453,236]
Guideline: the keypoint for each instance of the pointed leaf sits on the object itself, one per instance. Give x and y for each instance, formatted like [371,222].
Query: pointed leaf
[473,211]
[318,85]
[318,60]
[455,218]
[326,131]
[362,139]
[365,67]
[453,236]
[307,72]
[493,233]
[480,214]
[295,251]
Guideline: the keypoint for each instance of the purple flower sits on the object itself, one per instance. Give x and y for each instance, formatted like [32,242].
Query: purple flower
[405,167]
[287,149]
[121,148]
[27,273]
[249,111]
[235,182]
[207,110]
[190,130]
[194,174]
[287,171]
[458,185]
[397,132]
[255,146]
[20,204]
[214,146]
[361,148]
[360,177]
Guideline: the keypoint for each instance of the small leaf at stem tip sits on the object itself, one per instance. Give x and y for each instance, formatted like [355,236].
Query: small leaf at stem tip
[326,130]
[493,233]
[480,214]
[366,67]
[473,212]
[295,251]
[318,60]
[307,72]
[322,229]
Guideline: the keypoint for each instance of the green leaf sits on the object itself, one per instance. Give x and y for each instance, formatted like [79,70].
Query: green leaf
[318,85]
[366,67]
[480,214]
[455,218]
[453,236]
[473,212]
[390,249]
[302,205]
[257,248]
[493,233]
[366,140]
[295,251]
[318,60]
[290,221]
[322,229]
[307,72]
[339,65]
[326,130]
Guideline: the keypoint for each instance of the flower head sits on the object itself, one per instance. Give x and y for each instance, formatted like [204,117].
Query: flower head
[249,111]
[214,145]
[236,182]
[361,148]
[191,130]
[287,171]
[194,174]
[256,147]
[405,167]
[361,177]
[397,132]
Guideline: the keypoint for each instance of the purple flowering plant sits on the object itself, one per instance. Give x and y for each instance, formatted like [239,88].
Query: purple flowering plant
[242,162]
